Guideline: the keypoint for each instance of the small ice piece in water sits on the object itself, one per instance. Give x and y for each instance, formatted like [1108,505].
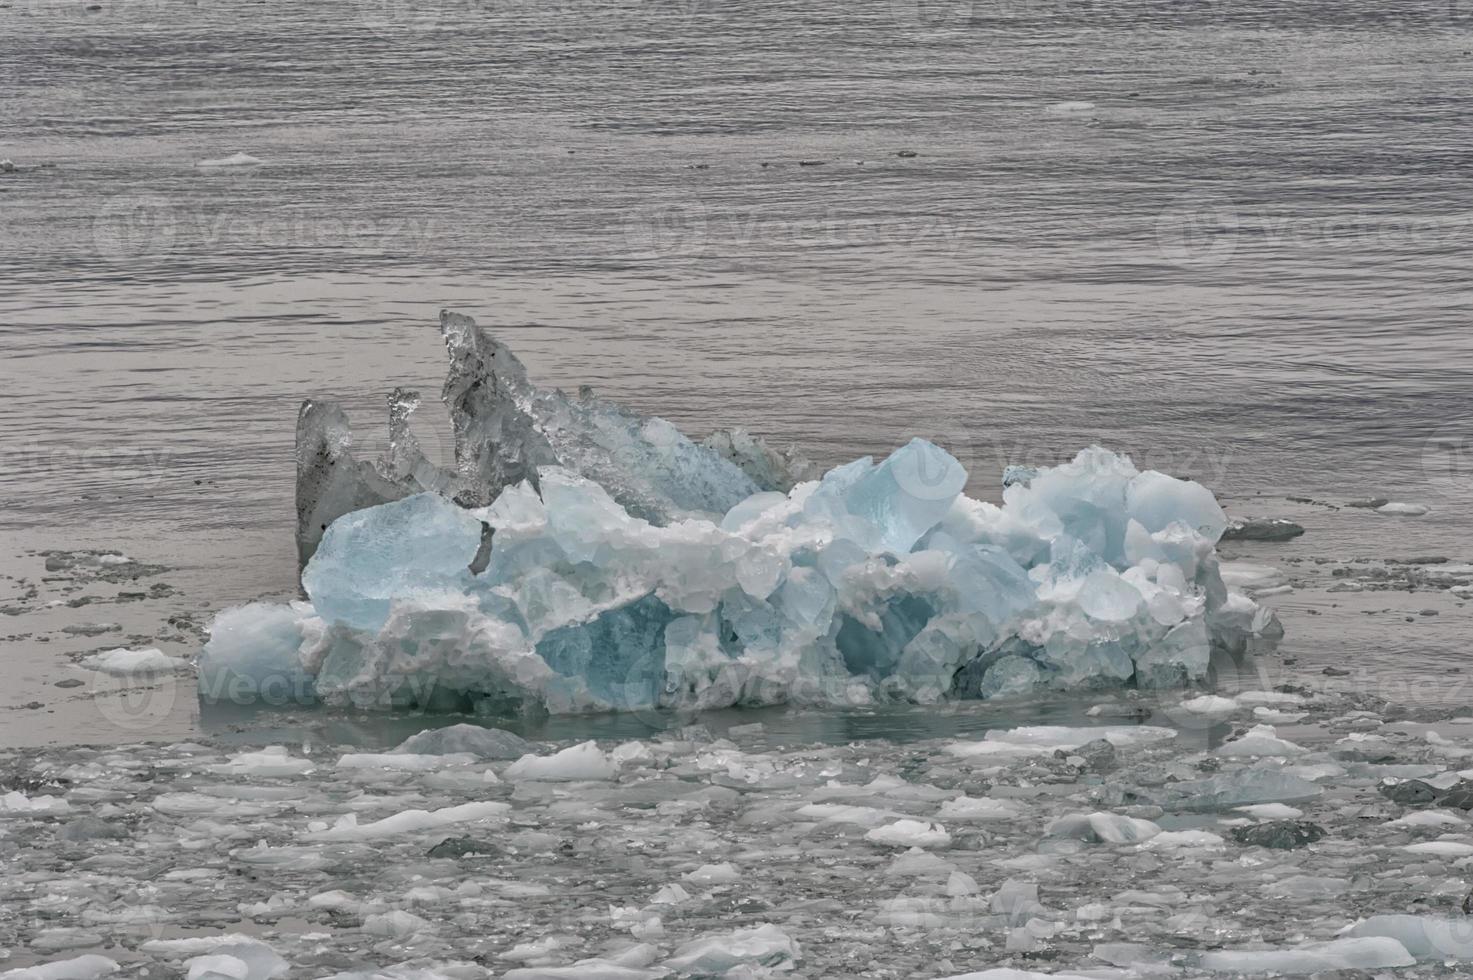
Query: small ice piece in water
[412,821]
[764,945]
[1397,508]
[86,967]
[1260,740]
[1338,954]
[404,761]
[216,966]
[261,962]
[966,808]
[1209,704]
[1262,529]
[1271,811]
[234,160]
[714,874]
[581,762]
[1233,789]
[482,742]
[271,761]
[1106,828]
[910,833]
[1427,937]
[1246,575]
[1069,108]
[396,923]
[123,662]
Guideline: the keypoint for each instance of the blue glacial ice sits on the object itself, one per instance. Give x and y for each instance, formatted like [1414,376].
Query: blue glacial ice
[630,568]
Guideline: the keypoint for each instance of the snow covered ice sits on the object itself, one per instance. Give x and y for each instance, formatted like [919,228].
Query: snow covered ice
[580,558]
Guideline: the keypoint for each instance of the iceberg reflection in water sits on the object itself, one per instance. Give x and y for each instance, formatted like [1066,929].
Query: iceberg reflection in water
[583,558]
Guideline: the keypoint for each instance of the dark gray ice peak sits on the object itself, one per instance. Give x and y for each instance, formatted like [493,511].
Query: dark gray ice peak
[506,428]
[497,440]
[330,481]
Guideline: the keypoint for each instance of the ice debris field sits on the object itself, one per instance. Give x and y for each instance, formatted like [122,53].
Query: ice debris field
[581,558]
[1113,851]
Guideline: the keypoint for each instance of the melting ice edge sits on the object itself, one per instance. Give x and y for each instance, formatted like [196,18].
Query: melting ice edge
[579,557]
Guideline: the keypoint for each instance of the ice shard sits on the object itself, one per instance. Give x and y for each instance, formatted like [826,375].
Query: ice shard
[506,429]
[582,558]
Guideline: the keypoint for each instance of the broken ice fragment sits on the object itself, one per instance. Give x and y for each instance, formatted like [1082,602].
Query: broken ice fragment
[1262,529]
[126,663]
[1337,954]
[763,945]
[1109,828]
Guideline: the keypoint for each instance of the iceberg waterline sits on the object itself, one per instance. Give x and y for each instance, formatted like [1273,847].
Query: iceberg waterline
[583,558]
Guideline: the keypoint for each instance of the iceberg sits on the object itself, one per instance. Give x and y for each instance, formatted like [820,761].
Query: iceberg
[582,558]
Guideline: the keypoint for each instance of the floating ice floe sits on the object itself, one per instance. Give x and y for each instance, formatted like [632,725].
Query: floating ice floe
[123,662]
[1338,954]
[596,560]
[86,967]
[1397,508]
[234,160]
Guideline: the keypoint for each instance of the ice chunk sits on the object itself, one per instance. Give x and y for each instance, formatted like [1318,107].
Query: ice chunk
[1045,739]
[216,966]
[483,742]
[1426,937]
[396,924]
[1259,740]
[966,808]
[714,874]
[910,833]
[1209,704]
[234,160]
[87,967]
[1262,529]
[271,761]
[1007,973]
[404,761]
[253,655]
[764,945]
[412,821]
[1108,828]
[259,960]
[418,548]
[1397,508]
[1241,788]
[593,969]
[580,762]
[1337,954]
[123,662]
